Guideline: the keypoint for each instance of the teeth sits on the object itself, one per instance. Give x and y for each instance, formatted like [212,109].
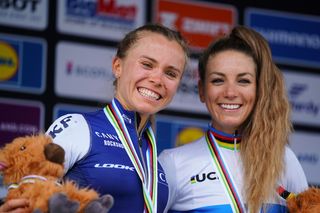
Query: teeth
[148,93]
[230,106]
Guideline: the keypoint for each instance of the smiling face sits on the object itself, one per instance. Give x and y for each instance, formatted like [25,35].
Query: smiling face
[149,75]
[229,89]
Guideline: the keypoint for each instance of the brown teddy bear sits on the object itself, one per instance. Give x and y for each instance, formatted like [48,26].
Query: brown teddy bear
[32,167]
[307,201]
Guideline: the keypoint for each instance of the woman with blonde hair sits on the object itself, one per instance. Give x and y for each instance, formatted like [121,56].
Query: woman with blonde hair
[113,150]
[243,163]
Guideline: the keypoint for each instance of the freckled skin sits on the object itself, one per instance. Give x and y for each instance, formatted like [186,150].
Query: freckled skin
[154,64]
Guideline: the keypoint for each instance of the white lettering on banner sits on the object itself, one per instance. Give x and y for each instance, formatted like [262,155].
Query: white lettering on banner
[191,25]
[126,10]
[288,38]
[168,19]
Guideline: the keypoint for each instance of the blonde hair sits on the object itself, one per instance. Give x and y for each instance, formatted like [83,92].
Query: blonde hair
[265,132]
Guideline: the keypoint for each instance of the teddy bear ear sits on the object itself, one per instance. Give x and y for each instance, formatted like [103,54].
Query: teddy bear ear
[54,153]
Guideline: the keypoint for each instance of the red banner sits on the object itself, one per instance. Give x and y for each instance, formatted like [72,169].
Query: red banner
[198,22]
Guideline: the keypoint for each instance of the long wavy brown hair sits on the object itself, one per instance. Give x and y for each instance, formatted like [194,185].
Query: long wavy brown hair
[265,132]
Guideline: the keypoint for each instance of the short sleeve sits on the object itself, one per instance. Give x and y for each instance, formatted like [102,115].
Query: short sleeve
[72,133]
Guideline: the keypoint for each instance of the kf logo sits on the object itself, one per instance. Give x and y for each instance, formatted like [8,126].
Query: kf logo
[59,128]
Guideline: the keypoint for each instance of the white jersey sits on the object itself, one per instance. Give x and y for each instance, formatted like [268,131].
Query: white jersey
[194,184]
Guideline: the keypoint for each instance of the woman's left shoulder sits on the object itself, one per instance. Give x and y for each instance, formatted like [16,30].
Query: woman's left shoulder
[294,174]
[289,154]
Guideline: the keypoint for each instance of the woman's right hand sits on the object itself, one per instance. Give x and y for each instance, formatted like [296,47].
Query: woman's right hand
[15,206]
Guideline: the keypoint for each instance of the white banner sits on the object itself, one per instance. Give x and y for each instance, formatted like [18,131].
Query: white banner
[187,98]
[304,95]
[307,148]
[100,19]
[24,14]
[84,71]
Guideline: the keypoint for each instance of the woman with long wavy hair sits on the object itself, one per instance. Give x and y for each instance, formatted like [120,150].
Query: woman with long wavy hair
[243,163]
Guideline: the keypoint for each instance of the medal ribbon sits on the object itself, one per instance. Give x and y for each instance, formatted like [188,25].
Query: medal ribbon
[29,179]
[284,193]
[149,182]
[224,174]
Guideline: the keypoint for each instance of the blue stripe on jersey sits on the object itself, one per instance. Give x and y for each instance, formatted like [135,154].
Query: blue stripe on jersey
[275,208]
[271,208]
[218,208]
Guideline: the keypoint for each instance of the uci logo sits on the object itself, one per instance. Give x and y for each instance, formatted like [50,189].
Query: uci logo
[204,176]
[8,61]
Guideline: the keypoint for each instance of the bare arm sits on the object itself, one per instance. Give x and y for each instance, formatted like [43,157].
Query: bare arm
[15,206]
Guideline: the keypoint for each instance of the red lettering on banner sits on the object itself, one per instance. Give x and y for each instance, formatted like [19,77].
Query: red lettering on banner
[109,7]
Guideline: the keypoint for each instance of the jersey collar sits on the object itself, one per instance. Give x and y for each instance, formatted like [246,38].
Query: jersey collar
[226,140]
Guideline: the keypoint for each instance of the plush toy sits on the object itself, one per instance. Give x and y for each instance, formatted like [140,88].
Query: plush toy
[32,167]
[307,201]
